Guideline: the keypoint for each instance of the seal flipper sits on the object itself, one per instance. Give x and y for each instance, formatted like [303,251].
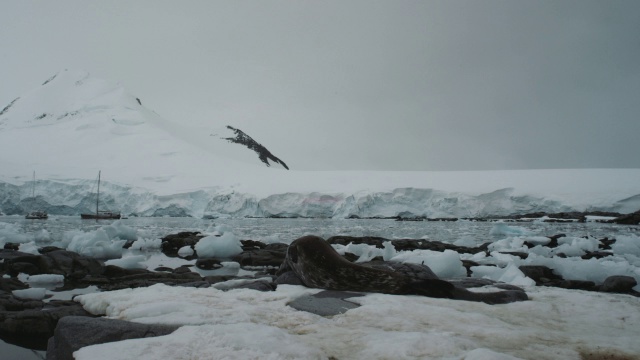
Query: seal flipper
[435,288]
[492,298]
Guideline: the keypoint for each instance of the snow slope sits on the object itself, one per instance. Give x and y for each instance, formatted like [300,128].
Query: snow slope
[74,125]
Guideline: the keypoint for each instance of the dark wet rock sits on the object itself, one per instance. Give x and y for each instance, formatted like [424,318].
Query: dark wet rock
[346,240]
[582,219]
[326,303]
[112,271]
[570,216]
[7,285]
[406,244]
[184,269]
[75,332]
[270,255]
[128,244]
[214,279]
[605,244]
[410,217]
[196,284]
[257,285]
[48,249]
[491,298]
[469,283]
[62,262]
[554,240]
[9,254]
[208,264]
[573,284]
[619,284]
[410,244]
[119,278]
[12,304]
[521,255]
[71,264]
[468,264]
[252,245]
[18,267]
[540,274]
[174,242]
[163,268]
[32,328]
[11,246]
[629,219]
[596,255]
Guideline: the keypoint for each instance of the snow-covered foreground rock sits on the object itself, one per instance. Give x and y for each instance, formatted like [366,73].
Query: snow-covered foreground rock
[241,324]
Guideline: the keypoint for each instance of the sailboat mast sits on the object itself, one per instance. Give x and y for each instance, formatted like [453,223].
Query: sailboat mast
[98,197]
[33,191]
[33,185]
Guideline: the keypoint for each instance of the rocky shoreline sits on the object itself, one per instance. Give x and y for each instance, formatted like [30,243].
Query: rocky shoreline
[31,323]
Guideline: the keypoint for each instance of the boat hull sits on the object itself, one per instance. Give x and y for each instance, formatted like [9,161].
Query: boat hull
[38,215]
[101,216]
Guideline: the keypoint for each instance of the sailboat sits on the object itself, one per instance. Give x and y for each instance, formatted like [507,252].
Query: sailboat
[35,214]
[100,214]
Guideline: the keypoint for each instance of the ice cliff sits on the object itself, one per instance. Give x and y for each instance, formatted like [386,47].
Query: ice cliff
[75,197]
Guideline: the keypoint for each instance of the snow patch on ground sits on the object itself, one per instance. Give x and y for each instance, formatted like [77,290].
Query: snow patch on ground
[555,323]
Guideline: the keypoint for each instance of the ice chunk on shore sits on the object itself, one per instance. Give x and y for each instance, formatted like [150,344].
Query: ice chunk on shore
[11,233]
[30,294]
[224,246]
[185,251]
[129,262]
[29,248]
[96,244]
[41,278]
[445,264]
[509,274]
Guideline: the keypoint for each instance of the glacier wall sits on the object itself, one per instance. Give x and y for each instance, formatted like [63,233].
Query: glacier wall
[72,197]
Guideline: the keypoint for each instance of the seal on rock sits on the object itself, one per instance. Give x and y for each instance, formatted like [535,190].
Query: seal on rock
[316,263]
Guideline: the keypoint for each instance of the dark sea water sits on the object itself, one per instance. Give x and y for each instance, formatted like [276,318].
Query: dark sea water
[287,230]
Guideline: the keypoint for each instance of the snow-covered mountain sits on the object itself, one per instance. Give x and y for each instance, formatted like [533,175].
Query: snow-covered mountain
[74,125]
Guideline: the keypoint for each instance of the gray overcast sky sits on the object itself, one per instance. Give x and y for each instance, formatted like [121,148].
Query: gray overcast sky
[377,85]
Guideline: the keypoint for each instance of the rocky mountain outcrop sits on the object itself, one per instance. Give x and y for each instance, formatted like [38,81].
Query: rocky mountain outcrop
[263,154]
